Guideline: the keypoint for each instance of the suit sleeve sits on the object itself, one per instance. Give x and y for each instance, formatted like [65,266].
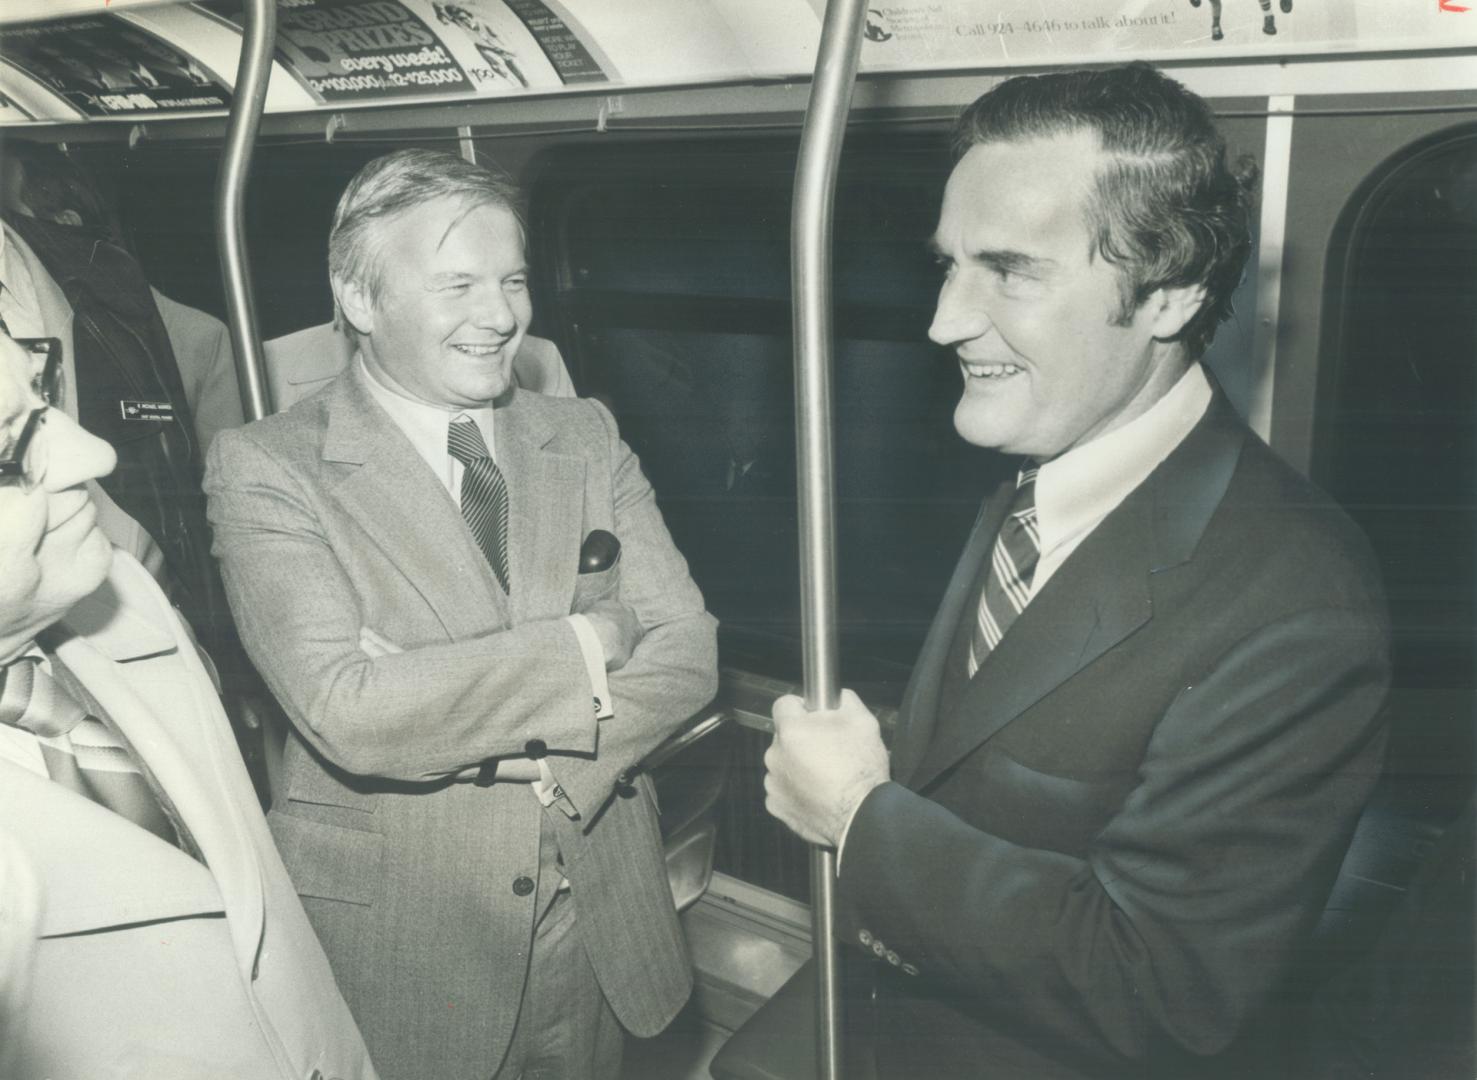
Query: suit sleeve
[1176,924]
[674,670]
[415,715]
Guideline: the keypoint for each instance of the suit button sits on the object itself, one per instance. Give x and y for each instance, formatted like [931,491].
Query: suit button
[535,748]
[893,958]
[522,886]
[865,937]
[909,969]
[879,950]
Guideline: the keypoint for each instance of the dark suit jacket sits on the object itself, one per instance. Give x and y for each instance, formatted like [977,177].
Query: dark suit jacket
[1103,859]
[328,521]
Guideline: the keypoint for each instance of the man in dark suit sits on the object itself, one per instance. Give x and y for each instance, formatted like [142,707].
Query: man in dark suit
[1144,721]
[403,551]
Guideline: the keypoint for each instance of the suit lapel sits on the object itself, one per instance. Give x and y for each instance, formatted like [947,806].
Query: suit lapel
[1092,602]
[1097,598]
[545,512]
[387,489]
[921,698]
[98,869]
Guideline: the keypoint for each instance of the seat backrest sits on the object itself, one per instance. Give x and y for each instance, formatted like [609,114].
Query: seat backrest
[1405,1007]
[301,362]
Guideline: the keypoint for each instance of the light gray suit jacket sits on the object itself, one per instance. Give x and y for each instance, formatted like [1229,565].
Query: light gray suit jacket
[151,964]
[328,521]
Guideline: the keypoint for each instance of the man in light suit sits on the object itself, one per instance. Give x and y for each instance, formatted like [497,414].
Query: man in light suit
[404,552]
[169,940]
[1145,720]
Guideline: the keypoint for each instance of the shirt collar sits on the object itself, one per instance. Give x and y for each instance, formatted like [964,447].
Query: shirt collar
[1076,491]
[425,425]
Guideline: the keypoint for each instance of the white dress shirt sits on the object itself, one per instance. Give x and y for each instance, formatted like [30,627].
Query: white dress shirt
[1076,491]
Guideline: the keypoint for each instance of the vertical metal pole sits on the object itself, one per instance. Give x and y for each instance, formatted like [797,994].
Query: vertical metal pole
[258,36]
[810,273]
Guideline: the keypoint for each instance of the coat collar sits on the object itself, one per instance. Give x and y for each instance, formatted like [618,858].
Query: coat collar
[386,487]
[1098,597]
[118,632]
[172,717]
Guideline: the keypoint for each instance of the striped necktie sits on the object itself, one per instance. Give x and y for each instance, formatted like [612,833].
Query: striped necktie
[83,752]
[484,496]
[1012,565]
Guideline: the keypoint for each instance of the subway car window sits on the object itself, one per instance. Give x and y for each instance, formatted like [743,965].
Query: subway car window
[1397,441]
[166,193]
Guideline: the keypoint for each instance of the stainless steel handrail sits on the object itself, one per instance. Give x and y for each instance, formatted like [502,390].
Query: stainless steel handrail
[248,97]
[810,272]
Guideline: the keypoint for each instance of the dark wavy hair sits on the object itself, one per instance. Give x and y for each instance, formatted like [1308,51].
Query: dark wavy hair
[1166,207]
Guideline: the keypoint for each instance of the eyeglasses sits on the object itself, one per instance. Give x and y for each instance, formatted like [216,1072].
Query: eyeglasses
[23,462]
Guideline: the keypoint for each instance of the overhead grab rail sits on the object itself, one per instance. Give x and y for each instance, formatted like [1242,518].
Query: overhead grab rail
[810,283]
[258,38]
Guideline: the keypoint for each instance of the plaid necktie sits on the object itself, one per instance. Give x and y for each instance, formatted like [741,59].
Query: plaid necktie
[1012,565]
[83,752]
[484,496]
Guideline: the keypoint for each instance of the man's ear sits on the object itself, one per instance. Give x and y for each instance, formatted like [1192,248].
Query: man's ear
[1171,308]
[356,304]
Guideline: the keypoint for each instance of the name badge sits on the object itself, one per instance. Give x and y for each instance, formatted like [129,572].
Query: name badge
[158,412]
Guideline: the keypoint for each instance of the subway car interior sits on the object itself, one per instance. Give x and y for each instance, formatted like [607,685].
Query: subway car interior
[656,145]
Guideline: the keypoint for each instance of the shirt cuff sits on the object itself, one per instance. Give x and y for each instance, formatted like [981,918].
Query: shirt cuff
[841,840]
[550,793]
[594,657]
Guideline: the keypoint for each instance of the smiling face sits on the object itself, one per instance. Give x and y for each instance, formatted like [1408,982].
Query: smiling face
[452,305]
[52,552]
[1031,310]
